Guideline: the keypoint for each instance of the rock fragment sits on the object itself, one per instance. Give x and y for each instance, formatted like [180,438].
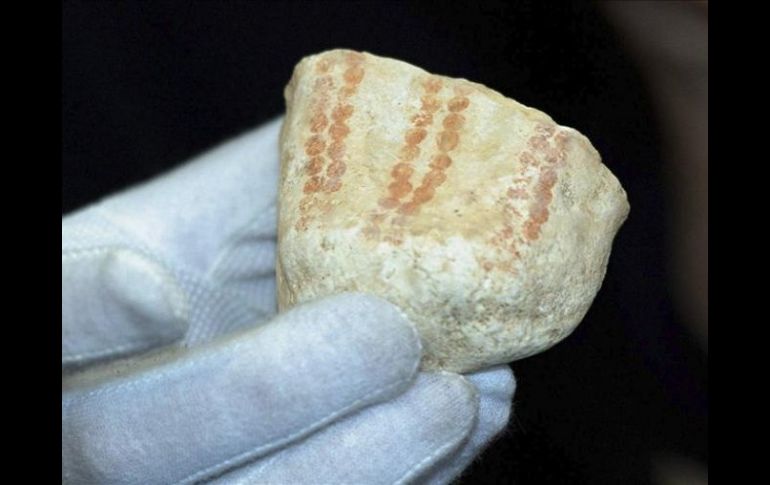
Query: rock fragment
[485,221]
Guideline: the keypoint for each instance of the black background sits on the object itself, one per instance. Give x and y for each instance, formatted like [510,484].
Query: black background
[145,86]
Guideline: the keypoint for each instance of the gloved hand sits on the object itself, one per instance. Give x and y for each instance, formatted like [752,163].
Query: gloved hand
[176,369]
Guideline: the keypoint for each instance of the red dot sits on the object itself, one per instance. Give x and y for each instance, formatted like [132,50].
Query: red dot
[314,146]
[415,136]
[458,103]
[448,140]
[441,162]
[402,171]
[338,131]
[434,178]
[423,194]
[342,112]
[399,189]
[314,165]
[313,185]
[353,74]
[318,122]
[454,121]
[336,169]
[409,152]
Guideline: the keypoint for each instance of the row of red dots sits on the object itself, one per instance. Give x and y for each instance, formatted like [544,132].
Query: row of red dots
[446,141]
[403,170]
[338,131]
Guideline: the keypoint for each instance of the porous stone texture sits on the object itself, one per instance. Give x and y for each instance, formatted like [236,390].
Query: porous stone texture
[485,221]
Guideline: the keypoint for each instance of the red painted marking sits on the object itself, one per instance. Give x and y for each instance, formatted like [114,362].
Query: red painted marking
[547,152]
[402,171]
[342,112]
[353,74]
[336,169]
[454,121]
[333,185]
[432,85]
[323,66]
[538,142]
[415,136]
[441,162]
[527,159]
[315,146]
[409,153]
[336,150]
[338,131]
[314,166]
[517,193]
[434,178]
[447,140]
[430,104]
[313,185]
[318,122]
[409,208]
[423,194]
[399,189]
[458,103]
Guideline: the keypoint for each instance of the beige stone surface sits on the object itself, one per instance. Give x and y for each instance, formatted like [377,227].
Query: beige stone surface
[485,221]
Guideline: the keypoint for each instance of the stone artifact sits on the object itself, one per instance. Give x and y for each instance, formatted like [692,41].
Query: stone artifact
[487,223]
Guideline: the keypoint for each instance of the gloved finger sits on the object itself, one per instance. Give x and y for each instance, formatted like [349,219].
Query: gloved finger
[119,298]
[189,214]
[496,387]
[388,443]
[117,301]
[235,400]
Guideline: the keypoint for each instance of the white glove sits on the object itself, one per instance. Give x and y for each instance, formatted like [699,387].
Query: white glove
[177,370]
